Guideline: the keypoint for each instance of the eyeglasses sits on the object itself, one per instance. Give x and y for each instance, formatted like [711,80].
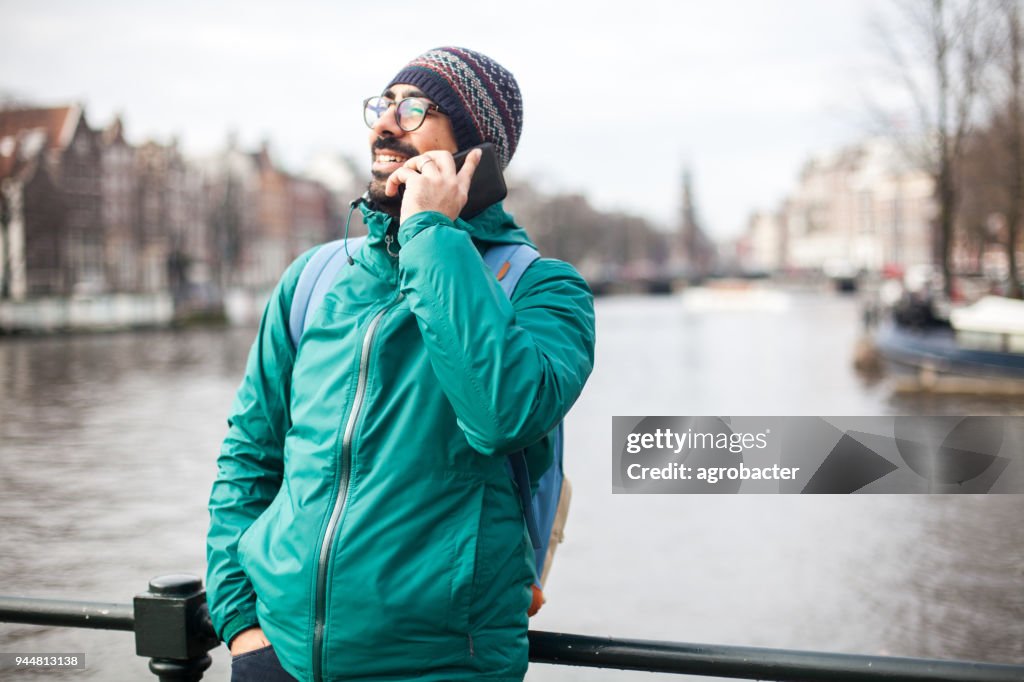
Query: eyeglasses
[409,112]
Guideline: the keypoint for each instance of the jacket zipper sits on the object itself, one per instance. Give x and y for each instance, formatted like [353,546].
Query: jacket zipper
[339,501]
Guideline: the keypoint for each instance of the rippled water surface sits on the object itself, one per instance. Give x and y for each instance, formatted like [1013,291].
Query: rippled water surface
[108,444]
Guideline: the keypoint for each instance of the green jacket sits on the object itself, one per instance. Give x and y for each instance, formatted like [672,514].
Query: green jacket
[363,513]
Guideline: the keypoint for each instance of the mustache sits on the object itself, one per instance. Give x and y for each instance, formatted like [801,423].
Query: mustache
[392,145]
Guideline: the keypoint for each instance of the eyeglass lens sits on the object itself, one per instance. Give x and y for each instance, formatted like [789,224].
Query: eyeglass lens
[409,112]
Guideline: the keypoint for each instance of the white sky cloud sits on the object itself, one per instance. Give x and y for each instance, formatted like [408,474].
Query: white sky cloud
[616,100]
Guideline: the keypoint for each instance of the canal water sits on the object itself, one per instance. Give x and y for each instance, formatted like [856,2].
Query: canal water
[108,447]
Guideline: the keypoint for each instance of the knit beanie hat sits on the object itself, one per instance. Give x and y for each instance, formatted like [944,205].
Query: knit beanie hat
[479,95]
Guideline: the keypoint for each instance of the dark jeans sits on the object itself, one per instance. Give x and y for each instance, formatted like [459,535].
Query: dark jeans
[260,665]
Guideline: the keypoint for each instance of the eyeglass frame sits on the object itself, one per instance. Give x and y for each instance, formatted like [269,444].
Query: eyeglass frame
[430,106]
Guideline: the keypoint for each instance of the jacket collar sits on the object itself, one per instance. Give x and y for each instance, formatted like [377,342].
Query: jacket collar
[491,226]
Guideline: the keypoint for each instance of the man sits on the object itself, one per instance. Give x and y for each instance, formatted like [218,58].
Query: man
[364,522]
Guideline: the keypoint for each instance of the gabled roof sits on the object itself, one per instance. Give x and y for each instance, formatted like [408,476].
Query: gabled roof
[23,132]
[114,133]
[58,123]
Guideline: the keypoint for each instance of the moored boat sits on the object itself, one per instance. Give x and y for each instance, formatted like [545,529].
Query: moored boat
[985,339]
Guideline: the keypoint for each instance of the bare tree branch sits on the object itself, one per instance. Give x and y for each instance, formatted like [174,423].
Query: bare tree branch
[941,80]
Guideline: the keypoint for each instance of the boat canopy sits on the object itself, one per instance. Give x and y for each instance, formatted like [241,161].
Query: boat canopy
[992,315]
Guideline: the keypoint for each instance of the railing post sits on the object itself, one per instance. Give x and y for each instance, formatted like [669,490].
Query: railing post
[172,627]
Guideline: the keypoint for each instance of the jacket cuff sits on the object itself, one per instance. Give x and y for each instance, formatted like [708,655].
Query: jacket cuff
[419,222]
[242,621]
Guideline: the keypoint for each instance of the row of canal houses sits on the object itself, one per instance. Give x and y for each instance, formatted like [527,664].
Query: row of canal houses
[85,214]
[869,208]
[863,207]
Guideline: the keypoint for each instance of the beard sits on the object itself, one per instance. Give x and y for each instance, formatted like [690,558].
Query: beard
[378,180]
[375,190]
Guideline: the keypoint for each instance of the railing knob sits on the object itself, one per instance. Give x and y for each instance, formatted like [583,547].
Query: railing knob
[175,585]
[172,627]
[169,670]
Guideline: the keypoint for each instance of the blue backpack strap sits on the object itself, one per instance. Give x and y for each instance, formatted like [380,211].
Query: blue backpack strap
[540,508]
[317,277]
[508,262]
[549,489]
[521,476]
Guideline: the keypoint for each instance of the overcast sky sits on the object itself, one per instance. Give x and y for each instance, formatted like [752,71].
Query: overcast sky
[616,101]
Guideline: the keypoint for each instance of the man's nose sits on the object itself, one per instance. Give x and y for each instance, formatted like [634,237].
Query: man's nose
[387,124]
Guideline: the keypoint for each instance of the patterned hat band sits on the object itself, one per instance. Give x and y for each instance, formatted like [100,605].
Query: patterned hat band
[481,97]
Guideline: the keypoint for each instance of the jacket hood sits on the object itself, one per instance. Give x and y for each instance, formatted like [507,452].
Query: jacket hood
[492,225]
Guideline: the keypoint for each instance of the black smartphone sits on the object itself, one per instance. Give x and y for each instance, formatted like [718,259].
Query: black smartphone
[488,185]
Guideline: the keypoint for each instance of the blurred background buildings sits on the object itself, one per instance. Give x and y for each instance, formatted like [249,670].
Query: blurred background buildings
[85,212]
[860,208]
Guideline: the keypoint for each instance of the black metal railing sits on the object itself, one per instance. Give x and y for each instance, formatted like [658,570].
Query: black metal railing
[172,628]
[170,621]
[753,663]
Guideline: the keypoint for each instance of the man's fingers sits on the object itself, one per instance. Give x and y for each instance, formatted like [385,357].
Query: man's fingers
[445,162]
[424,163]
[435,162]
[432,183]
[399,177]
[248,640]
[465,176]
